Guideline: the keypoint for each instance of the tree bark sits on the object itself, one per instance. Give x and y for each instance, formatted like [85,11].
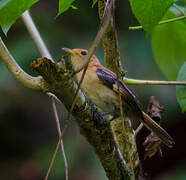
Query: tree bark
[92,125]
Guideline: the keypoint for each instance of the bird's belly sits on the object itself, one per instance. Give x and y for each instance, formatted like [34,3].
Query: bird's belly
[102,96]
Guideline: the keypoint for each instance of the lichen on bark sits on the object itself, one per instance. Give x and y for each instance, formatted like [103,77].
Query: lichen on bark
[92,124]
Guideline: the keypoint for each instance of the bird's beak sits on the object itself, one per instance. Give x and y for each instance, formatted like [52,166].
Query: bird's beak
[69,51]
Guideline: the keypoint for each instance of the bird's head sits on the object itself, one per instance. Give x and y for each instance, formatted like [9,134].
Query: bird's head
[78,56]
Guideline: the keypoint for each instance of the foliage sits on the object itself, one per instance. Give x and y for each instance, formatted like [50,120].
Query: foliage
[150,12]
[169,46]
[10,10]
[64,5]
[181,90]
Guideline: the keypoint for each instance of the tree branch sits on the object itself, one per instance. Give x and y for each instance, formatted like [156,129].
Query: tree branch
[92,125]
[34,33]
[121,127]
[161,22]
[110,43]
[150,82]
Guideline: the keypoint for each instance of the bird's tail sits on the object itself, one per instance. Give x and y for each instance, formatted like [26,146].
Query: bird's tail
[157,130]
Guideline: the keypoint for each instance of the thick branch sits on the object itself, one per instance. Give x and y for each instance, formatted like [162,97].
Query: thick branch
[92,125]
[36,83]
[110,44]
[123,133]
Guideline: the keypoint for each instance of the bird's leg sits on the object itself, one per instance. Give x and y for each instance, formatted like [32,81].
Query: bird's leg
[115,113]
[108,113]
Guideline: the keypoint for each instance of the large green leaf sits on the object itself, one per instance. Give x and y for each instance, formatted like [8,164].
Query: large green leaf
[64,5]
[169,45]
[10,10]
[181,90]
[150,12]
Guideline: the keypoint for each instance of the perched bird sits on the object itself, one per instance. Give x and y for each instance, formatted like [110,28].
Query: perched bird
[102,86]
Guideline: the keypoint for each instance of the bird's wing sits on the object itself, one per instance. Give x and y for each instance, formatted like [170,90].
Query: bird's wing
[110,79]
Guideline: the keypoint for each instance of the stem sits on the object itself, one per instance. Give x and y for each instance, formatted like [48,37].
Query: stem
[59,133]
[36,83]
[179,9]
[52,161]
[161,22]
[34,33]
[150,82]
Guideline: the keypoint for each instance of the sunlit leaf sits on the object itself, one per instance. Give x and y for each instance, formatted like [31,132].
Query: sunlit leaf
[64,5]
[10,10]
[168,45]
[181,90]
[150,12]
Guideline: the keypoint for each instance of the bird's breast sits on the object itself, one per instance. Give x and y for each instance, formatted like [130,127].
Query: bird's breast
[101,95]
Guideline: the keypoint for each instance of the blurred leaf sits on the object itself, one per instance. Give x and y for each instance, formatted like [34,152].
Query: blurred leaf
[150,12]
[73,7]
[64,5]
[94,2]
[181,90]
[168,45]
[184,1]
[10,10]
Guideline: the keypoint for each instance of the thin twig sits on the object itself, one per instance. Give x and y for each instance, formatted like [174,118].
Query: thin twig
[28,21]
[34,33]
[179,9]
[59,133]
[77,69]
[150,82]
[138,129]
[52,161]
[35,83]
[161,22]
[104,23]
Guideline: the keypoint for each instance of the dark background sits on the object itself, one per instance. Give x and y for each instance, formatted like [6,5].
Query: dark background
[28,134]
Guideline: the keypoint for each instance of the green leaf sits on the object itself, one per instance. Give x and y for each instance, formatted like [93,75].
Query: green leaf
[64,5]
[184,1]
[94,2]
[10,10]
[150,12]
[169,45]
[181,90]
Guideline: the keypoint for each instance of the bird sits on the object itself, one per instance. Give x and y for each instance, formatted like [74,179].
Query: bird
[102,87]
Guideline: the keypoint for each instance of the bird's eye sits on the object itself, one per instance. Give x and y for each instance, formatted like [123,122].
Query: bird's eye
[83,53]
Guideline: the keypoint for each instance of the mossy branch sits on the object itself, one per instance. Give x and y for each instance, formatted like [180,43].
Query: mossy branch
[121,127]
[92,125]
